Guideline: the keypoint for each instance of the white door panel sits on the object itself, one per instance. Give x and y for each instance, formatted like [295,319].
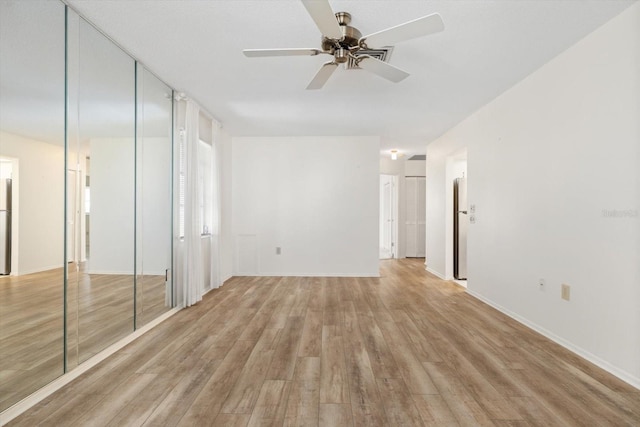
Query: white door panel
[415,216]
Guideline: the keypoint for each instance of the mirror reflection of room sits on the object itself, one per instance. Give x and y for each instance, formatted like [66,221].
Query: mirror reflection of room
[154,294]
[85,195]
[102,95]
[32,161]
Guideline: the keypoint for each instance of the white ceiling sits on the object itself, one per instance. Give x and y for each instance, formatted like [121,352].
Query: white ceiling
[487,46]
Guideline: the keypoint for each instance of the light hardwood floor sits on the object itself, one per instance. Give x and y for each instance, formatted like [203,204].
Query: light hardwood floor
[100,311]
[404,349]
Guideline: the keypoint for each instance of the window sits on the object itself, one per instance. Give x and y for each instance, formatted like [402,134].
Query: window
[205,178]
[205,187]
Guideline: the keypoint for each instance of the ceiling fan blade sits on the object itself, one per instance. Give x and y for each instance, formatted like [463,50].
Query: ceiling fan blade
[253,53]
[322,75]
[382,69]
[323,16]
[409,30]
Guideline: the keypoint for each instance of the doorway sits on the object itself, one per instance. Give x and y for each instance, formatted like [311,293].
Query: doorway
[73,214]
[6,199]
[457,218]
[388,216]
[460,225]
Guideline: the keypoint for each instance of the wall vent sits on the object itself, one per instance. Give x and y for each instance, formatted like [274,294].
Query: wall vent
[383,54]
[418,157]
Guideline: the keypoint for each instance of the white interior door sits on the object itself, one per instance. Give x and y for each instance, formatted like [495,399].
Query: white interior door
[415,224]
[387,217]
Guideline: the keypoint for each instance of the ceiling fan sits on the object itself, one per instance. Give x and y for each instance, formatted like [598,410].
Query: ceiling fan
[345,42]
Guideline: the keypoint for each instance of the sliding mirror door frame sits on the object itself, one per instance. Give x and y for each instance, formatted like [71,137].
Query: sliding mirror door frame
[154,197]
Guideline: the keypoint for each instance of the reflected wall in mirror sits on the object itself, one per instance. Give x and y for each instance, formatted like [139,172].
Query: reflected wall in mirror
[153,190]
[32,35]
[101,170]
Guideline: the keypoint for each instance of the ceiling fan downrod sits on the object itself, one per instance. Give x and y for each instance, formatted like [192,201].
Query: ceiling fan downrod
[342,48]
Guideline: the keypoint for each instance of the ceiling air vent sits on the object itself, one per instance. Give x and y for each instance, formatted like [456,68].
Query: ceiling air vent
[418,157]
[383,54]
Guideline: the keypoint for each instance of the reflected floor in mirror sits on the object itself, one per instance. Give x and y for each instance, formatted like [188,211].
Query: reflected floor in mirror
[100,312]
[153,298]
[31,333]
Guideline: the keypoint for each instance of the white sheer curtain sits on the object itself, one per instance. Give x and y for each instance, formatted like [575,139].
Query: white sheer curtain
[198,225]
[215,198]
[192,268]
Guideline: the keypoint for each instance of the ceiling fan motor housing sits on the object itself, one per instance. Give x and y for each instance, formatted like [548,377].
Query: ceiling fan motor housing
[350,38]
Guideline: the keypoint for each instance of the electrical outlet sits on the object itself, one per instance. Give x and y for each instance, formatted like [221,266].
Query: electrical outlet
[472,219]
[566,292]
[541,284]
[278,250]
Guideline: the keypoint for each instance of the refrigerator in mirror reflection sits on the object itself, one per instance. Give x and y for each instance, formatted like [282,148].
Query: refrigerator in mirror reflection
[5,226]
[460,225]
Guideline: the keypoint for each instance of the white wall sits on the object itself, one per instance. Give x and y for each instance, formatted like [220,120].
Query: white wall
[315,197]
[154,205]
[6,168]
[38,200]
[112,206]
[415,168]
[548,161]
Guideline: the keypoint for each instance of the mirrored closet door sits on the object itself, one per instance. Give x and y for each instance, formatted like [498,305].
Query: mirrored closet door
[154,156]
[32,196]
[101,186]
[86,179]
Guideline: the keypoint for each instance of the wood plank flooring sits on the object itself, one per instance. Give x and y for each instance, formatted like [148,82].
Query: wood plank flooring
[100,312]
[404,349]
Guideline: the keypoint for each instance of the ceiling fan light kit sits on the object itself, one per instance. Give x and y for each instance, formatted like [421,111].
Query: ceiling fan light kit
[347,45]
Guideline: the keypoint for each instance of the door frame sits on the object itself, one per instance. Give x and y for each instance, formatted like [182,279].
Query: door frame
[74,229]
[15,209]
[456,166]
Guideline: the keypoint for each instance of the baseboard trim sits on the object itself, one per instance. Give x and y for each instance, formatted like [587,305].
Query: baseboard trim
[34,398]
[614,370]
[116,272]
[308,275]
[461,283]
[33,270]
[435,273]
[221,285]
